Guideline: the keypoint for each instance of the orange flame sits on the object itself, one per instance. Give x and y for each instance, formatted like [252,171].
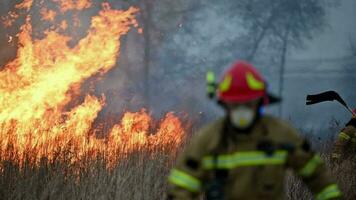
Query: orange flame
[26,4]
[63,25]
[48,15]
[66,5]
[46,75]
[8,20]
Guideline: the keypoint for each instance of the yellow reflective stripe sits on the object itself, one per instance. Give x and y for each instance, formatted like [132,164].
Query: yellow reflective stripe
[184,180]
[344,136]
[311,166]
[253,83]
[249,158]
[210,77]
[226,83]
[329,192]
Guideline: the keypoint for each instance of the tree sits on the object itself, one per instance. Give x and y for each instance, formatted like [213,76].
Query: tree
[283,25]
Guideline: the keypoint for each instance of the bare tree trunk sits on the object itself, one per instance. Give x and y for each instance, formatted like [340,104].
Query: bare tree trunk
[146,21]
[282,68]
[147,25]
[257,44]
[265,26]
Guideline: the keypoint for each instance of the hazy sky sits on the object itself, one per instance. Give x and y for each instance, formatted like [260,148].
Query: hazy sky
[335,40]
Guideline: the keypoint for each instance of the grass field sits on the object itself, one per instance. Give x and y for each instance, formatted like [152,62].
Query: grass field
[139,175]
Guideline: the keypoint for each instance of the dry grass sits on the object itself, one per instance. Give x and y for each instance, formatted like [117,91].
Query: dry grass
[141,176]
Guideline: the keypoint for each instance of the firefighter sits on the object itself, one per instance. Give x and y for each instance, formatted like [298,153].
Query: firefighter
[346,140]
[245,154]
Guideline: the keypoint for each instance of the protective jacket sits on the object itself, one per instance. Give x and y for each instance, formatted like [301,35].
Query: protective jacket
[226,164]
[346,140]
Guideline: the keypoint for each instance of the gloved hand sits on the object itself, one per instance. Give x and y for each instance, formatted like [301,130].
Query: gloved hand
[335,157]
[352,122]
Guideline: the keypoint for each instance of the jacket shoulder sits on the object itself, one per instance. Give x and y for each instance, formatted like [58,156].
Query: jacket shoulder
[282,130]
[207,137]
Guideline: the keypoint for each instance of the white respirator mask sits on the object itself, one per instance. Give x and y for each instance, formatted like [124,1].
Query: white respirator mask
[242,117]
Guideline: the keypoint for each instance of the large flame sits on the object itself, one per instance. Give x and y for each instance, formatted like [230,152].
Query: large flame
[37,86]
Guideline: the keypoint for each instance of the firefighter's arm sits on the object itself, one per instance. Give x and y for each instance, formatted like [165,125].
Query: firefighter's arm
[310,167]
[186,178]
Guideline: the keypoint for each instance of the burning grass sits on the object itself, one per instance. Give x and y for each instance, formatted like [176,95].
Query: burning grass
[41,111]
[131,164]
[133,133]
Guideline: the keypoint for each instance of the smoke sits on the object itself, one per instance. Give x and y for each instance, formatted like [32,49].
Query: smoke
[187,39]
[211,37]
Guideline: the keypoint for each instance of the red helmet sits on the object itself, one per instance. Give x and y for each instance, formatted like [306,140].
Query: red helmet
[241,83]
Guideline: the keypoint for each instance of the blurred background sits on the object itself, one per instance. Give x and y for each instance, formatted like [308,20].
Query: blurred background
[301,47]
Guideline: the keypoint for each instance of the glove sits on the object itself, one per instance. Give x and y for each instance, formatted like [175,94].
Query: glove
[352,122]
[335,156]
